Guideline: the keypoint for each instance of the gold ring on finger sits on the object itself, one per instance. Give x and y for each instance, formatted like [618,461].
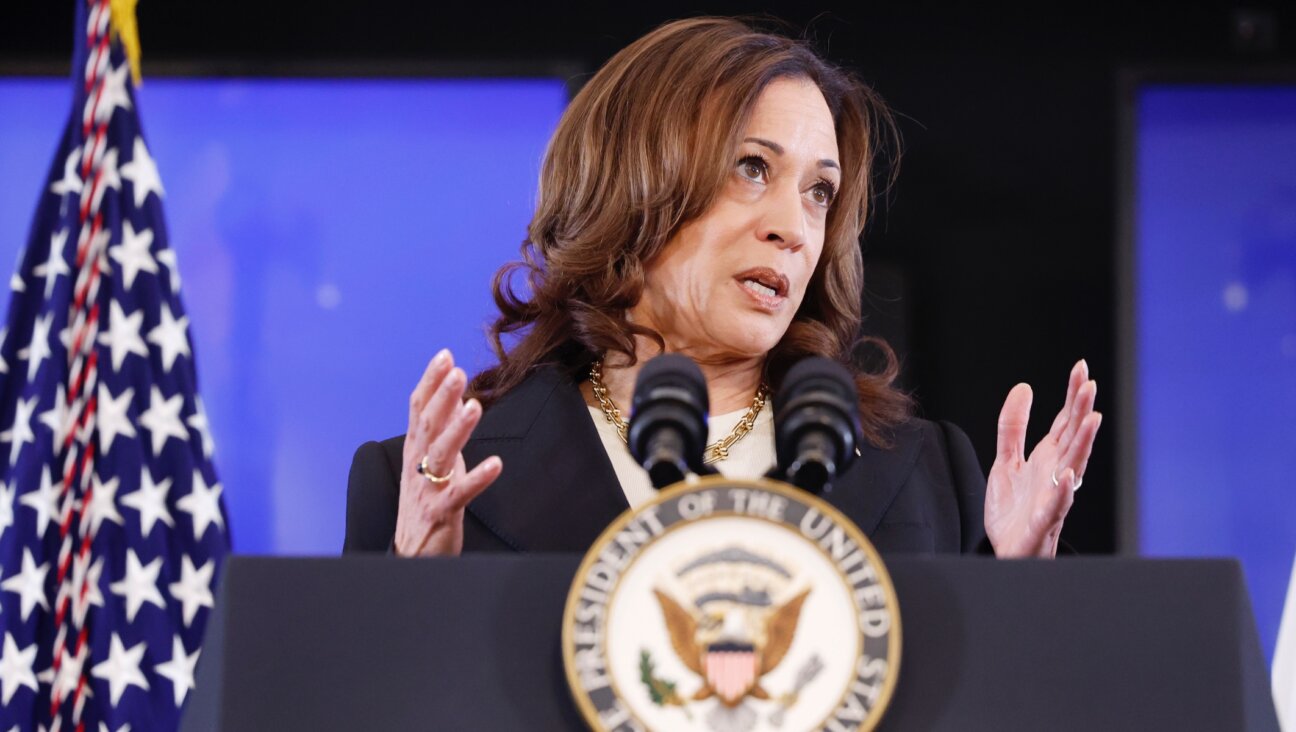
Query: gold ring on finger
[434,479]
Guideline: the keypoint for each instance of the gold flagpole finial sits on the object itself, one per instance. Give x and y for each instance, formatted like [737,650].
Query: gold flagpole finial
[127,29]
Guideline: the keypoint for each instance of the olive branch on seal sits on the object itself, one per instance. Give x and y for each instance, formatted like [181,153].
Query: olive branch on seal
[661,691]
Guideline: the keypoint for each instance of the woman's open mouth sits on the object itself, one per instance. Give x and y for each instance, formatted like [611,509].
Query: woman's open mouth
[767,288]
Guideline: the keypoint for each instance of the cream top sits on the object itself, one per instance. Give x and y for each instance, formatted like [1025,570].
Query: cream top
[751,457]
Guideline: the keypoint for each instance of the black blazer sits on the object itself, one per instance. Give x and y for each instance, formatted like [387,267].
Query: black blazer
[558,491]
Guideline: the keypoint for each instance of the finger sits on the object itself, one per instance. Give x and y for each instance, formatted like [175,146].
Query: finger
[475,482]
[436,370]
[1079,374]
[1076,456]
[1083,407]
[1059,500]
[1012,423]
[432,420]
[452,439]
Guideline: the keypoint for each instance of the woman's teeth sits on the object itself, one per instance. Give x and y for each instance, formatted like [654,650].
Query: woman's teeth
[759,289]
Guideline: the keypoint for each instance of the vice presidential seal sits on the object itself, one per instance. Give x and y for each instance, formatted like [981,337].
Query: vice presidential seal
[732,606]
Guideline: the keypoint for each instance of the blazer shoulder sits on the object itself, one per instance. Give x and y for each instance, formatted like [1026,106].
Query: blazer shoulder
[968,480]
[938,437]
[373,495]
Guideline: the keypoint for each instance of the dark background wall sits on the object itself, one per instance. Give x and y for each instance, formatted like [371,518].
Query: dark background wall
[1001,236]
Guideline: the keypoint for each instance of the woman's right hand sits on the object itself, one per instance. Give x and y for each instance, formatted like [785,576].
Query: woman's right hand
[429,520]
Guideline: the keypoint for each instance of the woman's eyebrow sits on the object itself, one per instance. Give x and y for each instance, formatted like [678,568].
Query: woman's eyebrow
[778,150]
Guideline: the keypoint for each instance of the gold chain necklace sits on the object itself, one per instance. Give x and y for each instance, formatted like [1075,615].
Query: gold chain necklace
[715,452]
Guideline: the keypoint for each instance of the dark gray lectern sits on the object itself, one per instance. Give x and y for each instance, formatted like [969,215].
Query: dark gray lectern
[374,643]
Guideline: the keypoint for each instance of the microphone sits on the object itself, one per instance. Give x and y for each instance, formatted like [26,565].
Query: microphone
[668,422]
[816,423]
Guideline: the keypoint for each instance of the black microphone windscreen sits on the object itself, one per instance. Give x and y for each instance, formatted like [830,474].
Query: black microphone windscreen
[818,374]
[671,371]
[816,422]
[668,418]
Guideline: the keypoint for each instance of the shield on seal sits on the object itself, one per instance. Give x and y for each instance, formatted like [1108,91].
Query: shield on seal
[731,670]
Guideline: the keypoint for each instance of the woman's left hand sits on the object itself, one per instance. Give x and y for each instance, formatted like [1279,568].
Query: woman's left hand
[1027,498]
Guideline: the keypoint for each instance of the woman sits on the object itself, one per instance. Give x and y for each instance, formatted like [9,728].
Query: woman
[704,194]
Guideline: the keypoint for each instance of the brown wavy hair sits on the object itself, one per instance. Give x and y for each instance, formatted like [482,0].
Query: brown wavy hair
[645,147]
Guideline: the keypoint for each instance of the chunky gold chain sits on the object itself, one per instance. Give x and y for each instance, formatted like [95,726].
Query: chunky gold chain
[715,452]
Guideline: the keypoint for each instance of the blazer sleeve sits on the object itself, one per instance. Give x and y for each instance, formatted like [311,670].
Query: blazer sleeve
[373,495]
[969,487]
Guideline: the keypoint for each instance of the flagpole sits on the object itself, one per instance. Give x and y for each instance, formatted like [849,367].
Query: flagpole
[1284,665]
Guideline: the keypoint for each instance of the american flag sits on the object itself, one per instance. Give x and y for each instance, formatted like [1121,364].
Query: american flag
[112,528]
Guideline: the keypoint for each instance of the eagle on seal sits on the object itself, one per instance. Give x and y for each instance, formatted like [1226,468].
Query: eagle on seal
[732,640]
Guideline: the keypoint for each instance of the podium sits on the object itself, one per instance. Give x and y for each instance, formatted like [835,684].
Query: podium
[474,643]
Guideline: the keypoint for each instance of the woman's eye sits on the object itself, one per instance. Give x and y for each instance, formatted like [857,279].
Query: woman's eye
[823,194]
[752,169]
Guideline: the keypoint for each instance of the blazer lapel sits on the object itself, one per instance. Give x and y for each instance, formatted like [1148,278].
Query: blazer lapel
[557,491]
[866,490]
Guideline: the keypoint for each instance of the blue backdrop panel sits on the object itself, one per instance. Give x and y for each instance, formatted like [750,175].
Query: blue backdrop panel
[1216,324]
[331,236]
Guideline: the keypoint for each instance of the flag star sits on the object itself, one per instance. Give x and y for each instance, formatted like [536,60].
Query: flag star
[71,182]
[68,677]
[150,500]
[123,335]
[139,585]
[104,728]
[93,595]
[162,419]
[103,504]
[168,257]
[43,500]
[6,506]
[55,418]
[16,283]
[171,337]
[113,93]
[122,669]
[113,419]
[203,504]
[198,421]
[16,668]
[142,172]
[55,262]
[133,253]
[180,669]
[194,588]
[29,584]
[39,349]
[4,335]
[21,431]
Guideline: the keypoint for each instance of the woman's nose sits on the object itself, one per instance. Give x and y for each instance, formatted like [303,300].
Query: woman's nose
[783,220]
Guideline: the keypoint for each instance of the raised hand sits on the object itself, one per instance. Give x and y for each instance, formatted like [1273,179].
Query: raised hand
[435,485]
[1027,498]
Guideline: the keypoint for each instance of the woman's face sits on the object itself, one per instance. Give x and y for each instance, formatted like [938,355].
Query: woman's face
[726,286]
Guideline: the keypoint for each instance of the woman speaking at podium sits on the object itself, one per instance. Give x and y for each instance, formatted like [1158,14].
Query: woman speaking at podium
[703,194]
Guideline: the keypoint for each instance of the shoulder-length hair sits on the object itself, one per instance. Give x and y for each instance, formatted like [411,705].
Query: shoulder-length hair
[645,147]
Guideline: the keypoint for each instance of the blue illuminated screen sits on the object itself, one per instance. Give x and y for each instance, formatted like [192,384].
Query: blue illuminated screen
[331,236]
[1215,284]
